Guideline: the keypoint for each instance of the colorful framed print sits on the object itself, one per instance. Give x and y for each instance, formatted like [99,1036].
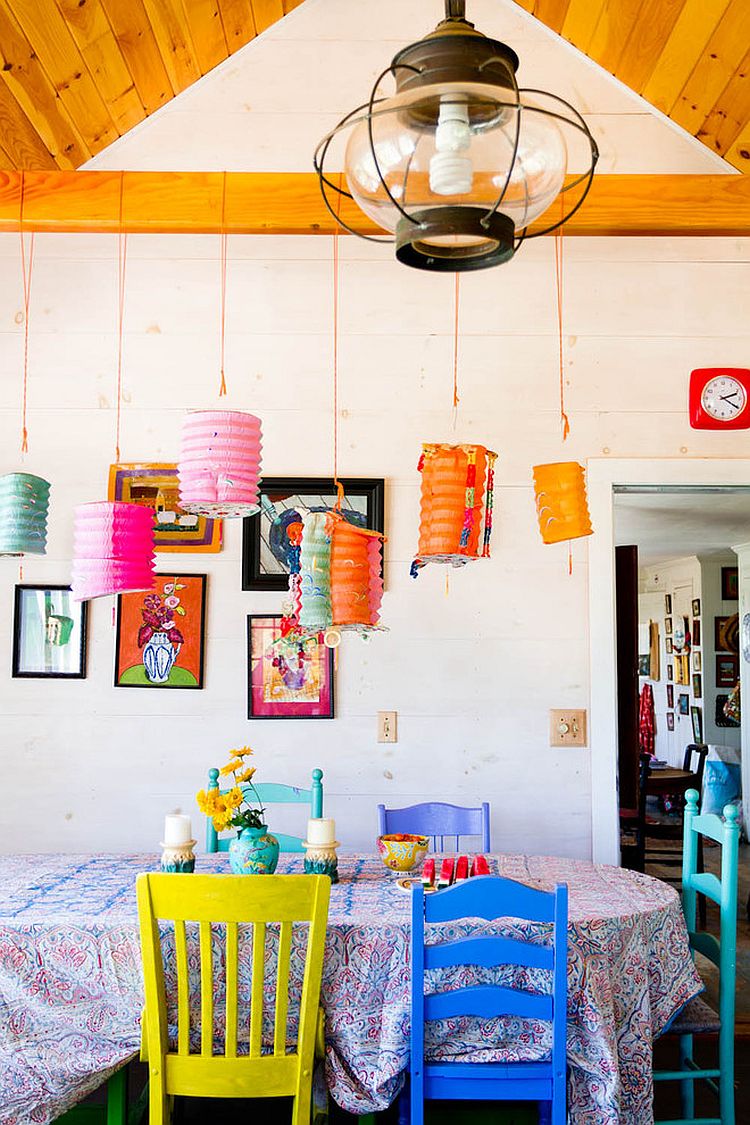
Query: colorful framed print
[670,672]
[697,686]
[161,634]
[727,633]
[49,633]
[668,645]
[729,583]
[668,605]
[721,718]
[670,720]
[696,715]
[696,631]
[155,486]
[696,661]
[288,678]
[644,665]
[670,696]
[683,704]
[727,669]
[284,500]
[696,607]
[668,626]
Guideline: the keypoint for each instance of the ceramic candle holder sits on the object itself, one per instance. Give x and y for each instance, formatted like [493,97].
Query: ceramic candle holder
[321,859]
[178,857]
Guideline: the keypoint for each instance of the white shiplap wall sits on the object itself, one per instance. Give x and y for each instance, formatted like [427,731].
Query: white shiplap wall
[471,671]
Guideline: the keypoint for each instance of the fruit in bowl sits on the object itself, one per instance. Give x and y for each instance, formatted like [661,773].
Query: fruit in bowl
[402,851]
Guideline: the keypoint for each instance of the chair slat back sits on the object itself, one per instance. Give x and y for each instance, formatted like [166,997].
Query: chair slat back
[225,902]
[489,898]
[439,821]
[271,793]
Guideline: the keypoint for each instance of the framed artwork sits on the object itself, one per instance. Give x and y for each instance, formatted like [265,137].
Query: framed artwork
[683,704]
[696,631]
[696,715]
[670,672]
[49,633]
[682,669]
[668,626]
[644,665]
[729,583]
[727,669]
[155,486]
[670,720]
[161,634]
[668,604]
[284,500]
[696,661]
[668,645]
[287,678]
[670,696]
[697,687]
[720,718]
[696,607]
[726,633]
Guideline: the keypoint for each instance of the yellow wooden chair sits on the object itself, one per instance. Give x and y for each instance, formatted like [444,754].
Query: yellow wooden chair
[231,900]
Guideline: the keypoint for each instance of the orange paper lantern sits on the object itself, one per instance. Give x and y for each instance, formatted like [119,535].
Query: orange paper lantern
[456,507]
[561,503]
[356,583]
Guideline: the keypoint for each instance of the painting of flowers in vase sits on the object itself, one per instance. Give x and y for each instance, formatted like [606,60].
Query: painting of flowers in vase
[160,634]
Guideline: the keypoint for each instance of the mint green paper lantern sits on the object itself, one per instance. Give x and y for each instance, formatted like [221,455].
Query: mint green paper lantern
[24,503]
[315,573]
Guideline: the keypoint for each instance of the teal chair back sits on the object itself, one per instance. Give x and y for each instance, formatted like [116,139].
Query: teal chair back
[722,952]
[269,793]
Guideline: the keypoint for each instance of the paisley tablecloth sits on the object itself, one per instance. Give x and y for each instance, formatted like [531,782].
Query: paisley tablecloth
[71,989]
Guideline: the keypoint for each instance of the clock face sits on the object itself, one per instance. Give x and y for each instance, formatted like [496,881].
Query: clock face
[723,398]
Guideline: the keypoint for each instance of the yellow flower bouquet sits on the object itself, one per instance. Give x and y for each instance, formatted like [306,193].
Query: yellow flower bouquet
[233,807]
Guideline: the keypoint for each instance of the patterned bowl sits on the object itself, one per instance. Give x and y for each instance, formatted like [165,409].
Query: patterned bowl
[402,851]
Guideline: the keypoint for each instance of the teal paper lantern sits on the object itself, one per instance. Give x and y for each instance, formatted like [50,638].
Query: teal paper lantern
[315,573]
[24,503]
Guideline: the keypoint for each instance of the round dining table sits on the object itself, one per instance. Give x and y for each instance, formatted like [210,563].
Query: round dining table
[71,987]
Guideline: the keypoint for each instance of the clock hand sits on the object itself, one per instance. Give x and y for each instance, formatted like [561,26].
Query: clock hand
[726,398]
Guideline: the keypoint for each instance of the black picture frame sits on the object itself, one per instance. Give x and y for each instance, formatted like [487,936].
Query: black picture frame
[729,583]
[696,717]
[263,628]
[683,703]
[697,685]
[670,720]
[696,607]
[255,575]
[668,605]
[670,696]
[727,669]
[21,666]
[696,632]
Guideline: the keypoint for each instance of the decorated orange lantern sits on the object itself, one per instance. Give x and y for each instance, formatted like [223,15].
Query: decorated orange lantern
[456,507]
[561,501]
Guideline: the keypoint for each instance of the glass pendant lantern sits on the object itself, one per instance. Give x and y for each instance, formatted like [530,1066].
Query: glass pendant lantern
[459,161]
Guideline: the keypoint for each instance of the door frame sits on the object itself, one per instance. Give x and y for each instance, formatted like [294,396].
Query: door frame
[603,474]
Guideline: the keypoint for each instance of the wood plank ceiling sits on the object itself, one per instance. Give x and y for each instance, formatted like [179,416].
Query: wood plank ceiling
[689,58]
[77,74]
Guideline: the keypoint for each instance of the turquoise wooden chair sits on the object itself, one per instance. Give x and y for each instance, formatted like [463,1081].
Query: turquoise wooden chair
[489,897]
[697,1018]
[269,793]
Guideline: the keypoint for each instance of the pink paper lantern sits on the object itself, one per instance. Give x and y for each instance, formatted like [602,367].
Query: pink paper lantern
[113,549]
[219,466]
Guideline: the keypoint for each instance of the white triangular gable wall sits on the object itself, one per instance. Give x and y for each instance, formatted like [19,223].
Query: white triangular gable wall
[266,107]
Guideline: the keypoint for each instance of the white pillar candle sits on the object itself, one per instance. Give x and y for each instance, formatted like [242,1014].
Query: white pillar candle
[321,830]
[177,829]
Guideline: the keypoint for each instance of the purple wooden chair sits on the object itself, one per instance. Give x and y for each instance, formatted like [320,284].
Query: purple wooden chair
[489,897]
[438,820]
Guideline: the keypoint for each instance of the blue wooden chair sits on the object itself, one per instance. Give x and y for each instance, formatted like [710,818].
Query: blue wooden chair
[697,1018]
[269,793]
[490,897]
[438,820]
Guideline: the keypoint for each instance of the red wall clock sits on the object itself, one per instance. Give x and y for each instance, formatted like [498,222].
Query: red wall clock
[720,398]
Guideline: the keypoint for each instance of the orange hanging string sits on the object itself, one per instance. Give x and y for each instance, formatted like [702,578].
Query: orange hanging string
[456,399]
[570,557]
[122,253]
[223,254]
[26,268]
[559,286]
[336,481]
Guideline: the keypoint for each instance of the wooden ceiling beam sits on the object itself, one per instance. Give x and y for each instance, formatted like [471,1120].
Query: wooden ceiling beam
[290,203]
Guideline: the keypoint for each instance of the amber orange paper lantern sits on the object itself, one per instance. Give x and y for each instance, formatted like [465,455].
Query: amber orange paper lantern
[561,503]
[355,568]
[456,506]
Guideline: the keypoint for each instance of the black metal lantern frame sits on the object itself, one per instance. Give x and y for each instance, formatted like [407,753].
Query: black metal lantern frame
[456,53]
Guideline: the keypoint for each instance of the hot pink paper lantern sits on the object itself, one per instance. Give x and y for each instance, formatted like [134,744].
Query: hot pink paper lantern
[219,466]
[113,549]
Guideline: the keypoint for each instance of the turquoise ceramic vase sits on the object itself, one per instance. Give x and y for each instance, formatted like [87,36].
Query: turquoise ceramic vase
[254,852]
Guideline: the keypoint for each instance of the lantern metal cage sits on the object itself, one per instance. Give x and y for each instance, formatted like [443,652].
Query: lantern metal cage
[460,161]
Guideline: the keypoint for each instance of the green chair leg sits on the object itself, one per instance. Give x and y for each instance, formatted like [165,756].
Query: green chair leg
[112,1112]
